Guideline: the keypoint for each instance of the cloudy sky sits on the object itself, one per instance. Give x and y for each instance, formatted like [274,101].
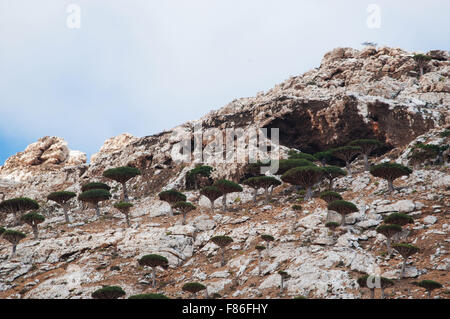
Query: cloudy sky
[142,66]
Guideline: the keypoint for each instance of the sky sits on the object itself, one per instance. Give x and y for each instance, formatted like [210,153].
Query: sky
[144,66]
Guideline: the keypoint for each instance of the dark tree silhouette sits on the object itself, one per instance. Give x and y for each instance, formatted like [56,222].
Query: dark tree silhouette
[390,172]
[429,285]
[422,61]
[18,206]
[262,182]
[227,187]
[347,154]
[14,237]
[259,248]
[192,177]
[124,208]
[332,172]
[33,219]
[305,176]
[154,261]
[108,292]
[367,146]
[93,197]
[222,242]
[343,208]
[212,193]
[267,239]
[388,231]
[184,207]
[149,296]
[122,175]
[406,251]
[62,198]
[172,196]
[193,288]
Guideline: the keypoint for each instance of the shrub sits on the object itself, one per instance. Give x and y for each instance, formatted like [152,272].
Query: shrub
[429,285]
[329,196]
[343,208]
[33,219]
[95,185]
[398,219]
[193,288]
[227,187]
[222,242]
[262,182]
[305,176]
[192,177]
[172,196]
[367,146]
[108,292]
[184,207]
[347,154]
[124,208]
[122,175]
[95,196]
[154,261]
[267,239]
[388,231]
[18,206]
[406,251]
[14,237]
[390,172]
[332,225]
[149,296]
[332,172]
[212,193]
[62,198]
[297,207]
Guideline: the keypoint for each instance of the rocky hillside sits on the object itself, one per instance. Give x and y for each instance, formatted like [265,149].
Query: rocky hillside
[373,93]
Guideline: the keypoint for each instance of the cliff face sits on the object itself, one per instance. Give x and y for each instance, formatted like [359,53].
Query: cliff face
[373,93]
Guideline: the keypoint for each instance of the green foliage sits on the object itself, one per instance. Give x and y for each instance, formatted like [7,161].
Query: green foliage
[261,182]
[2,230]
[154,260]
[184,206]
[331,172]
[254,169]
[172,196]
[329,196]
[94,196]
[384,282]
[445,133]
[95,185]
[108,292]
[305,176]
[287,164]
[389,230]
[193,287]
[420,58]
[222,241]
[20,204]
[149,296]
[342,207]
[283,274]
[406,250]
[398,219]
[429,285]
[260,248]
[13,236]
[61,197]
[366,145]
[346,153]
[324,156]
[202,170]
[332,225]
[226,186]
[33,218]
[305,156]
[267,238]
[211,192]
[121,174]
[297,207]
[300,297]
[123,206]
[390,171]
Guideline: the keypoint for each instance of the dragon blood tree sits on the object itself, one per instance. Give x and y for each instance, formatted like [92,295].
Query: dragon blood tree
[222,242]
[343,208]
[375,282]
[284,276]
[94,197]
[328,197]
[194,175]
[193,288]
[267,238]
[95,185]
[124,208]
[305,176]
[332,226]
[262,182]
[172,196]
[286,164]
[429,285]
[300,155]
[62,198]
[398,219]
[347,154]
[212,193]
[33,219]
[149,296]
[154,261]
[406,251]
[422,61]
[324,157]
[332,172]
[259,248]
[367,146]
[18,206]
[184,208]
[227,187]
[390,172]
[389,230]
[122,175]
[14,237]
[108,292]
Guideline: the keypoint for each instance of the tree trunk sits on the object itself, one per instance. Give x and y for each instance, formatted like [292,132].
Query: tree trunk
[372,293]
[281,285]
[366,162]
[14,249]
[429,294]
[259,262]
[153,277]
[388,244]
[35,232]
[421,70]
[308,193]
[255,194]
[342,219]
[266,193]
[128,220]
[66,215]
[184,219]
[328,216]
[382,293]
[125,192]
[171,211]
[212,206]
[330,186]
[347,166]
[97,210]
[402,273]
[391,186]
[224,202]
[223,257]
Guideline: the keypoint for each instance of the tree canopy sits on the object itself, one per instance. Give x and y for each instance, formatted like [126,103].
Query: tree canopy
[61,197]
[95,185]
[108,292]
[154,260]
